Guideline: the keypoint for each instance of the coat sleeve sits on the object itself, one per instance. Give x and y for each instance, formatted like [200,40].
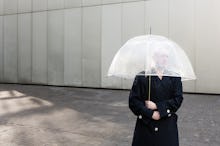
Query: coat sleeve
[136,104]
[167,107]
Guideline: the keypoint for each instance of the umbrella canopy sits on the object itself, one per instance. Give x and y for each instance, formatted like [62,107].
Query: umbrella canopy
[148,54]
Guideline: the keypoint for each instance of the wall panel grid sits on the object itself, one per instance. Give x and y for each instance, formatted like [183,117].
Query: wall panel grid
[72,42]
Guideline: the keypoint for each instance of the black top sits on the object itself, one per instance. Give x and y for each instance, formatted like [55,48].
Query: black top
[166,93]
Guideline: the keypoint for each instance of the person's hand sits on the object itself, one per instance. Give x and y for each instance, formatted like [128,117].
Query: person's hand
[156,115]
[150,104]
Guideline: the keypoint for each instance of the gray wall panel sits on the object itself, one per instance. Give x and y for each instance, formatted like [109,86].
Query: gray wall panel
[183,31]
[111,1]
[133,24]
[91,46]
[207,44]
[1,7]
[130,0]
[1,49]
[10,6]
[90,3]
[56,47]
[111,42]
[24,47]
[10,49]
[73,47]
[73,3]
[55,4]
[158,17]
[24,6]
[39,48]
[39,5]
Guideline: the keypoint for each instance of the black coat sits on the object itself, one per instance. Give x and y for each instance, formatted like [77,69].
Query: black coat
[167,94]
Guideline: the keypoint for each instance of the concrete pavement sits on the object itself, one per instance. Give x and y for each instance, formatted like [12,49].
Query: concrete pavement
[64,116]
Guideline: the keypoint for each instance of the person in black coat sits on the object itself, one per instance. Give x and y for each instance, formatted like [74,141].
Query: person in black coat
[156,123]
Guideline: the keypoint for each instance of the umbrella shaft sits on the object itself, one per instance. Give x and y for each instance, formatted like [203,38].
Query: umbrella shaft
[149,87]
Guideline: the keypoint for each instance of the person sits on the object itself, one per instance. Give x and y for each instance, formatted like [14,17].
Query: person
[156,123]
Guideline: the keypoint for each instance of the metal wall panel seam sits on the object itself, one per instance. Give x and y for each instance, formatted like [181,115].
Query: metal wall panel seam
[100,48]
[32,40]
[3,49]
[47,40]
[194,42]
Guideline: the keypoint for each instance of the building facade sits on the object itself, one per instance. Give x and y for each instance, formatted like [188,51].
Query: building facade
[72,42]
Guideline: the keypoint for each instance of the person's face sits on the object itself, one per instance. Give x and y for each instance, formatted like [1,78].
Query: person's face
[161,60]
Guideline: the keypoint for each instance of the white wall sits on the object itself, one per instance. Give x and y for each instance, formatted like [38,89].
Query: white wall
[72,42]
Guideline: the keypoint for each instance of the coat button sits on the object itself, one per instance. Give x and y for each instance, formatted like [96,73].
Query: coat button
[156,129]
[168,111]
[140,117]
[169,115]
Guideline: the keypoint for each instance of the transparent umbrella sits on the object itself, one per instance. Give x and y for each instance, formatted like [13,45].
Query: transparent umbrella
[149,54]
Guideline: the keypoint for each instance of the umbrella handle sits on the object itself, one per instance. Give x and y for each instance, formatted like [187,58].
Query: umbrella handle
[149,87]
